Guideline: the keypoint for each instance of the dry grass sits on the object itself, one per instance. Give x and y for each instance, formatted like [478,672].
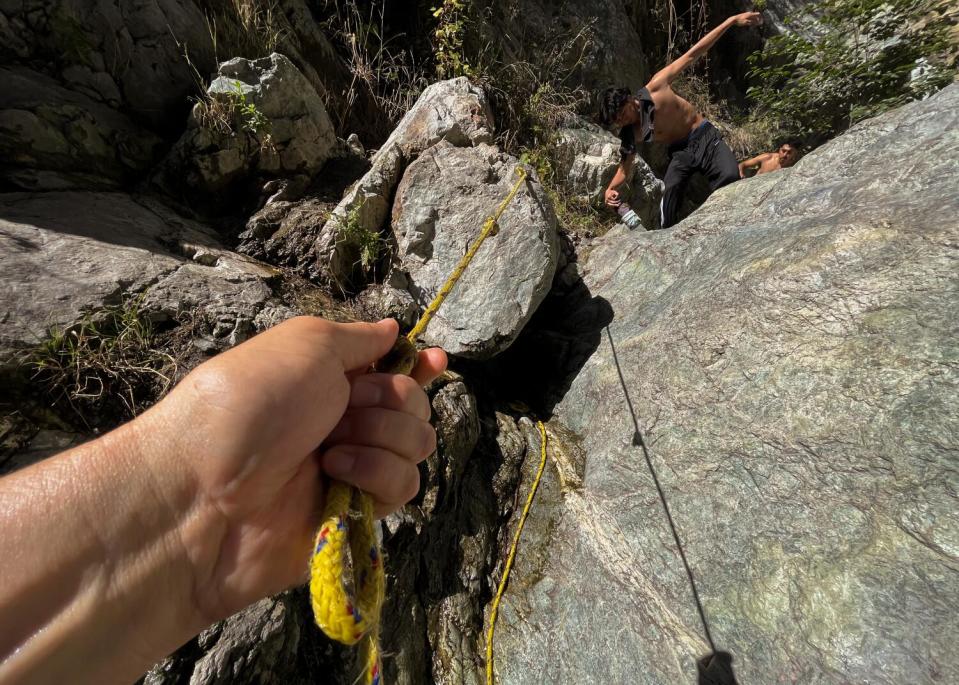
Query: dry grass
[533,90]
[245,28]
[104,367]
[382,65]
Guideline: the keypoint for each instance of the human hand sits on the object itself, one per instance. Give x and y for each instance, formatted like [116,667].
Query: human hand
[612,198]
[747,19]
[259,422]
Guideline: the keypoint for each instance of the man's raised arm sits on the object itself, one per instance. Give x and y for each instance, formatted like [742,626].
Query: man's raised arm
[669,73]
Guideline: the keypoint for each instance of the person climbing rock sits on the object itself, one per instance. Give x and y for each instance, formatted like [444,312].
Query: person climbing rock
[657,114]
[785,156]
[120,550]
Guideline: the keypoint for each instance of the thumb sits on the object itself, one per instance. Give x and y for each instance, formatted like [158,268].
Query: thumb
[360,344]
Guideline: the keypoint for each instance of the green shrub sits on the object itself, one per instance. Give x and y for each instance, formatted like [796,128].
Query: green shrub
[448,39]
[364,245]
[863,60]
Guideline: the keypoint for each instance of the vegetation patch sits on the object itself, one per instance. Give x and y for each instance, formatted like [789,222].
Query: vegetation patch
[361,244]
[106,368]
[574,214]
[866,57]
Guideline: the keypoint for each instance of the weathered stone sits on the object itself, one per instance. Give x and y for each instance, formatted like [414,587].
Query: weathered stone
[52,137]
[359,215]
[256,646]
[455,111]
[270,122]
[789,353]
[301,134]
[67,253]
[441,547]
[390,299]
[439,210]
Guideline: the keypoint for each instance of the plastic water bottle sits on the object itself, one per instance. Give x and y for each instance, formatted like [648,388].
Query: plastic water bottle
[628,216]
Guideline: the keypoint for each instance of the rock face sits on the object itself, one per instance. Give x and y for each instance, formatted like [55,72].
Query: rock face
[442,547]
[54,137]
[789,353]
[91,87]
[440,207]
[263,117]
[601,42]
[62,254]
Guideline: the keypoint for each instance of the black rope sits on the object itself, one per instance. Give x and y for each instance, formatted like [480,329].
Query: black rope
[717,666]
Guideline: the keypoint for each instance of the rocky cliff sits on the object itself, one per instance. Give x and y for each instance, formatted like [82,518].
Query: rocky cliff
[786,355]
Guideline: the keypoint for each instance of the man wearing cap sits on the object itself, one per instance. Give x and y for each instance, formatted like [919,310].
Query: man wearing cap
[657,114]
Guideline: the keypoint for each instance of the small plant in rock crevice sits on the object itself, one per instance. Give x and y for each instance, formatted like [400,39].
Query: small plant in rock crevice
[249,116]
[357,241]
[448,38]
[232,112]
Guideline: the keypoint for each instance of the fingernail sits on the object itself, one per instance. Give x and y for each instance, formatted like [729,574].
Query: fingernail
[365,393]
[339,464]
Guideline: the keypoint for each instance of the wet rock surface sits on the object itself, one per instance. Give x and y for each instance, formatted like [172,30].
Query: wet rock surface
[788,351]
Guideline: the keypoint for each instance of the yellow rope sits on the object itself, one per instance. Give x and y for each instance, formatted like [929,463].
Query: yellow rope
[488,228]
[346,608]
[512,554]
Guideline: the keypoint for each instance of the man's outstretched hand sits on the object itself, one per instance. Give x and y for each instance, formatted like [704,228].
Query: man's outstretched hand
[748,19]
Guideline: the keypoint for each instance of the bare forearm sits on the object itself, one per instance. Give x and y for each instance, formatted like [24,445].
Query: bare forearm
[622,173]
[707,41]
[101,594]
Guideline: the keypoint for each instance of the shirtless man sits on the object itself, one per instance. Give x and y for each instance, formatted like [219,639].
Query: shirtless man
[785,156]
[657,114]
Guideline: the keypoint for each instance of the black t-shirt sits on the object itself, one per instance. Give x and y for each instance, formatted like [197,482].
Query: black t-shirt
[627,134]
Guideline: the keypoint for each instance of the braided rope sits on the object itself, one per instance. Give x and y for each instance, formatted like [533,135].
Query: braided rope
[347,606]
[489,228]
[512,554]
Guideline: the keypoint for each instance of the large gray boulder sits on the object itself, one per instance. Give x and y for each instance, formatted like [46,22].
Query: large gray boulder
[261,117]
[67,253]
[455,111]
[789,353]
[439,210]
